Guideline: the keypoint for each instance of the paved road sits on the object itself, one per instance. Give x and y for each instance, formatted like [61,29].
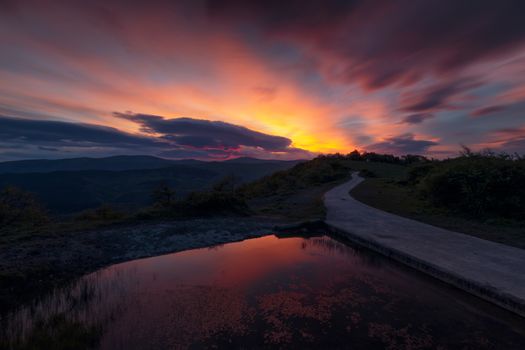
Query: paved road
[493,271]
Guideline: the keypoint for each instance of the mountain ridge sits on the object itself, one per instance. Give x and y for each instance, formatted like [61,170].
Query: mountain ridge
[114,163]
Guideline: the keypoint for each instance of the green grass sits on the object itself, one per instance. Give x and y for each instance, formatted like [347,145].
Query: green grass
[387,194]
[300,205]
[384,170]
[297,193]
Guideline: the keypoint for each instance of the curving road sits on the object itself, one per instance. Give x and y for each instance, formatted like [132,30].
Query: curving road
[493,271]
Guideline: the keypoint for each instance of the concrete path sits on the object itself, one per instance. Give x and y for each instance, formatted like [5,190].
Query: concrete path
[492,271]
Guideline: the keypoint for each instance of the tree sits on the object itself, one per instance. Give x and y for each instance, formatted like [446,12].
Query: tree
[226,184]
[354,155]
[163,196]
[18,206]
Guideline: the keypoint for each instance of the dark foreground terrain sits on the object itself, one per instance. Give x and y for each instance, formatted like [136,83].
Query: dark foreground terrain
[29,267]
[38,257]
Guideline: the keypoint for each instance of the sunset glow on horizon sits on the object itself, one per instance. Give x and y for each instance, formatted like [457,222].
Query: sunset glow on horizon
[269,79]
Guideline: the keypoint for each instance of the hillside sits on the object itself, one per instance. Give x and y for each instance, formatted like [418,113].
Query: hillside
[64,192]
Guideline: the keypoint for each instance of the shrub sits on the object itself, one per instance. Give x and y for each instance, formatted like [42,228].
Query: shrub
[222,199]
[477,184]
[163,196]
[102,213]
[208,203]
[418,171]
[226,184]
[318,171]
[20,207]
[367,173]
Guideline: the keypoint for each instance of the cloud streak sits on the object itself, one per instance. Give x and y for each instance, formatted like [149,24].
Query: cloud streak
[417,118]
[202,133]
[269,78]
[171,138]
[402,144]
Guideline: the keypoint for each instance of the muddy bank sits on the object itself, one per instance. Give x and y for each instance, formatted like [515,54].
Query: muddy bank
[31,267]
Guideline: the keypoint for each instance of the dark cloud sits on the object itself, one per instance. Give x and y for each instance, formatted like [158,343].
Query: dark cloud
[387,42]
[176,138]
[50,149]
[402,144]
[282,15]
[438,96]
[487,110]
[49,133]
[196,153]
[417,118]
[205,133]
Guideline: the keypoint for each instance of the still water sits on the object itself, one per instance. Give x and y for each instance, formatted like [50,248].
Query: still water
[287,292]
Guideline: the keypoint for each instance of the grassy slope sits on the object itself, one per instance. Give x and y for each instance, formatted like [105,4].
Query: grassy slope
[386,194]
[296,194]
[67,192]
[306,202]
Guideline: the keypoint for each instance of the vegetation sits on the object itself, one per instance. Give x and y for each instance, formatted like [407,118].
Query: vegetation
[475,193]
[163,196]
[303,175]
[58,333]
[296,193]
[19,207]
[71,189]
[103,213]
[476,184]
[222,198]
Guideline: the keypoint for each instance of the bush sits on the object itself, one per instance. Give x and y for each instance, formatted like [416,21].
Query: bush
[367,173]
[318,171]
[163,196]
[102,213]
[478,184]
[20,207]
[417,172]
[222,199]
[208,203]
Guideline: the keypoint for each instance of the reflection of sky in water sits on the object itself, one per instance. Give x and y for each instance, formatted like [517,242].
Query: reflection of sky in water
[304,292]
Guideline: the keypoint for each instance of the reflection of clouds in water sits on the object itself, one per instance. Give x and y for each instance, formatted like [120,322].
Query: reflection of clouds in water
[179,317]
[316,290]
[288,311]
[400,338]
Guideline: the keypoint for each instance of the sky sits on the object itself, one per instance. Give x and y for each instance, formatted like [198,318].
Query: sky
[267,79]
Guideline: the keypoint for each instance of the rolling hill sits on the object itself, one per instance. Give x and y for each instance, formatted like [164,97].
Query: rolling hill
[71,185]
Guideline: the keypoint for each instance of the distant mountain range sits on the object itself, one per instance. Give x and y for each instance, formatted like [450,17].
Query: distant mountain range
[115,163]
[71,185]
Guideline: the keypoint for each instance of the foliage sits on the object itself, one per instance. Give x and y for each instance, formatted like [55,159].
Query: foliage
[226,184]
[367,173]
[355,155]
[103,213]
[480,184]
[221,199]
[207,203]
[318,171]
[163,196]
[20,207]
[418,171]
